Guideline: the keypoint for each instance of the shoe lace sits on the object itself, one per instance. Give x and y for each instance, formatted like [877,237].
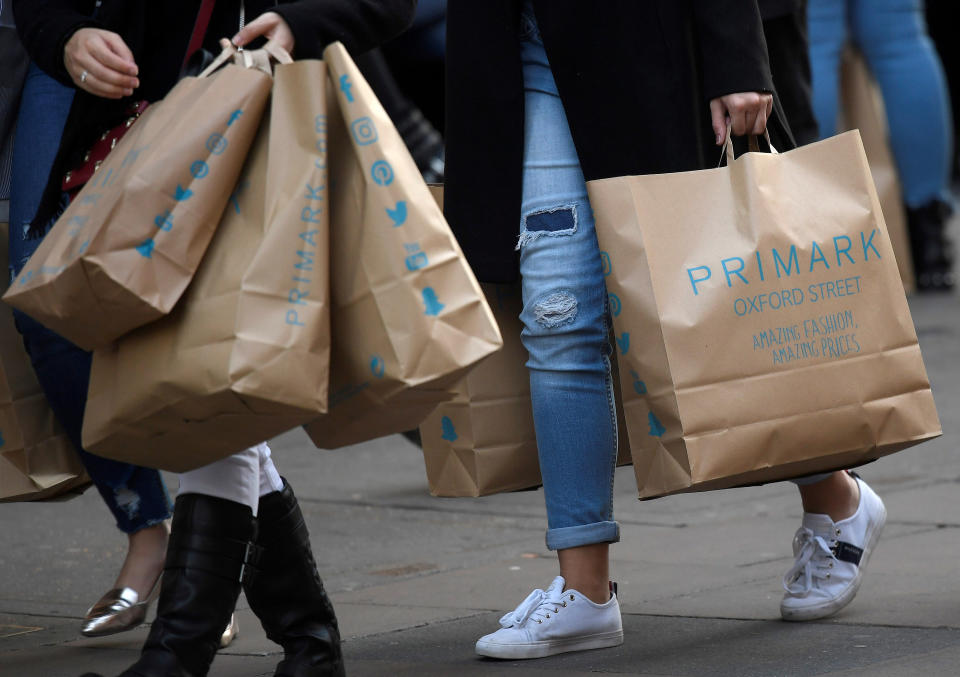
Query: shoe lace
[814,560]
[537,606]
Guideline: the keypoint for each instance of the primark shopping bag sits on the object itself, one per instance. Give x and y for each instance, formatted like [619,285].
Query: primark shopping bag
[761,319]
[126,248]
[407,315]
[483,441]
[37,460]
[245,355]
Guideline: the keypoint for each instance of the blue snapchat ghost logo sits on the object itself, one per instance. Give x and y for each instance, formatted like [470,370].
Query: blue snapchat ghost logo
[656,427]
[639,386]
[449,432]
[431,302]
[146,249]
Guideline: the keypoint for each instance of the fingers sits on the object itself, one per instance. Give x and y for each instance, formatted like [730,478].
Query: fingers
[262,25]
[269,25]
[120,55]
[748,112]
[760,123]
[718,117]
[100,63]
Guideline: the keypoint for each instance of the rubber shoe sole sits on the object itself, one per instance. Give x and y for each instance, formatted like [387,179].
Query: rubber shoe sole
[513,651]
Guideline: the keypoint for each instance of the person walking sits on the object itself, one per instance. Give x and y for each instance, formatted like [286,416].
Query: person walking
[236,522]
[566,92]
[135,496]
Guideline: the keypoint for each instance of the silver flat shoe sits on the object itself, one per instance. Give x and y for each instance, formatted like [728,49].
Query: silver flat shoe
[117,611]
[230,632]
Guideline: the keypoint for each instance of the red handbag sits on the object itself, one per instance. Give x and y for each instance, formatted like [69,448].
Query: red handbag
[76,178]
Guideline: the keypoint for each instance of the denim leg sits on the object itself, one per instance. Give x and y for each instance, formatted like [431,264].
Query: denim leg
[827,32]
[136,496]
[893,37]
[565,327]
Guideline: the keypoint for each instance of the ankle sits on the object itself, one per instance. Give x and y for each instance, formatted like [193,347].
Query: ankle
[146,554]
[838,497]
[596,591]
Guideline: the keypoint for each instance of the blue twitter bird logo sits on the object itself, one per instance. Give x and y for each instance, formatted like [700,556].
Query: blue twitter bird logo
[398,214]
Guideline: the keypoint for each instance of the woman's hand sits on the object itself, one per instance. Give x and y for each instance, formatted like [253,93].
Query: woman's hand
[747,113]
[269,25]
[100,62]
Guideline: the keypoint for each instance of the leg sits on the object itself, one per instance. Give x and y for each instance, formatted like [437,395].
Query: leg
[136,496]
[286,592]
[566,334]
[827,24]
[842,521]
[835,495]
[208,554]
[893,37]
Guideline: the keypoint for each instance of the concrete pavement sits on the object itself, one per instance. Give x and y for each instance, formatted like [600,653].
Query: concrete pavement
[416,580]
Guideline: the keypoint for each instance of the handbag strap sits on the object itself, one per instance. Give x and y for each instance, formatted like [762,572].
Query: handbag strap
[199,29]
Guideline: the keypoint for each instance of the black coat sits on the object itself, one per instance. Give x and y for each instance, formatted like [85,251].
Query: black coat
[157,32]
[635,79]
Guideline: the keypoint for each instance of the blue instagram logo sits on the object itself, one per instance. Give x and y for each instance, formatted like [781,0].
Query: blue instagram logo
[364,133]
[382,173]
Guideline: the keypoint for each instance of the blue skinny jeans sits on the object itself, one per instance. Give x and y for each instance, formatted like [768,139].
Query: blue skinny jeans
[565,319]
[892,34]
[136,496]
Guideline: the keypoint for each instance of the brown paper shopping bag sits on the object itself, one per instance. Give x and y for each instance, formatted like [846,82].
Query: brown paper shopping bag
[37,461]
[127,246]
[863,110]
[760,316]
[483,440]
[245,356]
[407,315]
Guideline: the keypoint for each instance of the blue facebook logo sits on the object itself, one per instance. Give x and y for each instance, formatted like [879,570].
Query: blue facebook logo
[345,87]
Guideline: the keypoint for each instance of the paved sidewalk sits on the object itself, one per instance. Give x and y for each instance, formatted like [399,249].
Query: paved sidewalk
[416,580]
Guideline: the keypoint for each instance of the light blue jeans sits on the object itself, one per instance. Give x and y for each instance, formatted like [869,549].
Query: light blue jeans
[892,34]
[565,320]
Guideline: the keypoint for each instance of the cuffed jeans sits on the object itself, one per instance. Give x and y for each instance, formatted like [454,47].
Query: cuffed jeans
[136,496]
[893,37]
[565,320]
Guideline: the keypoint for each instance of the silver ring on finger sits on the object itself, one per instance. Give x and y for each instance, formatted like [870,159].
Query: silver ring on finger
[83,77]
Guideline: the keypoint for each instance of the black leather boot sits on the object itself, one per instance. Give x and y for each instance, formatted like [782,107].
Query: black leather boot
[932,254]
[287,594]
[209,545]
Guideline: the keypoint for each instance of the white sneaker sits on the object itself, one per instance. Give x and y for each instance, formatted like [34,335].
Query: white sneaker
[830,559]
[553,621]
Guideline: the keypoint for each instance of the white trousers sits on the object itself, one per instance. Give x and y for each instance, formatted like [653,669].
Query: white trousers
[242,478]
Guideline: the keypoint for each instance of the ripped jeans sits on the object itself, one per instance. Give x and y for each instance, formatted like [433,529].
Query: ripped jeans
[136,496]
[565,320]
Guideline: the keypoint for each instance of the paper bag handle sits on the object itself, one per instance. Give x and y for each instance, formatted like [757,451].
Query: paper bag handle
[752,145]
[261,59]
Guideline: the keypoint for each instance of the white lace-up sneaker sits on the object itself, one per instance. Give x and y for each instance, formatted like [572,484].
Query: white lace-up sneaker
[830,559]
[554,621]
